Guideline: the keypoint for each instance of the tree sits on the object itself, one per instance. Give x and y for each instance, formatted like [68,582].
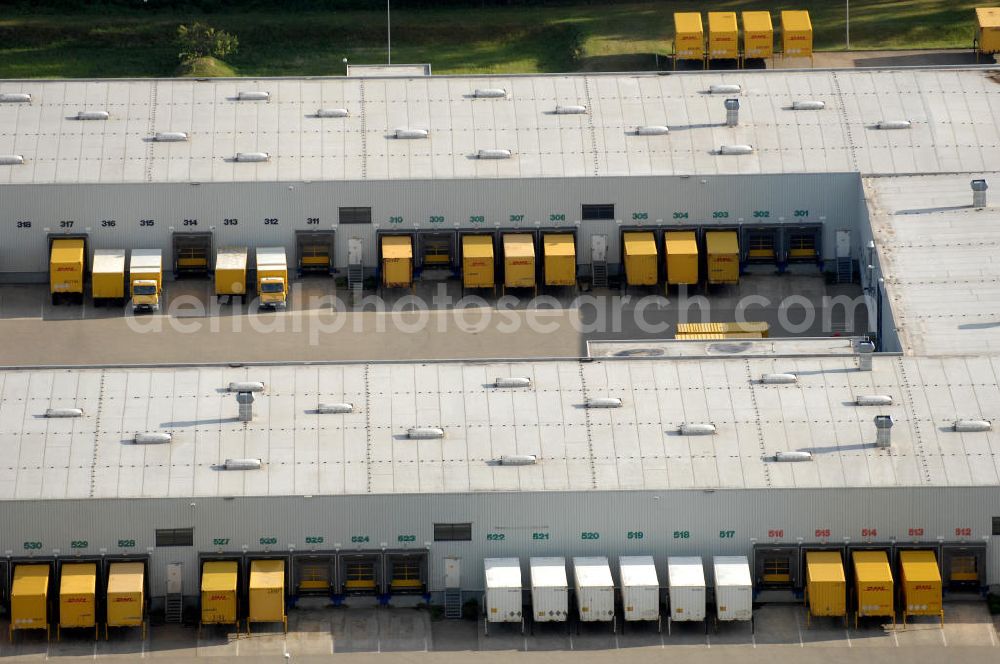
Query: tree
[199,40]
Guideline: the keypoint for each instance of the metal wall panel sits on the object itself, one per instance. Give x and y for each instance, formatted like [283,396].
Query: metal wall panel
[717,522]
[831,199]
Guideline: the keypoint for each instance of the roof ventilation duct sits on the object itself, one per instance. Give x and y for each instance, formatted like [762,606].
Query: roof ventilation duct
[154,438]
[883,430]
[242,464]
[93,115]
[513,381]
[494,154]
[725,89]
[873,400]
[251,157]
[972,426]
[170,137]
[736,149]
[604,402]
[246,386]
[253,95]
[778,378]
[732,112]
[11,159]
[245,402]
[412,133]
[979,188]
[490,93]
[570,109]
[64,412]
[335,408]
[517,460]
[864,349]
[808,105]
[15,98]
[425,433]
[894,124]
[332,113]
[793,456]
[697,429]
[653,130]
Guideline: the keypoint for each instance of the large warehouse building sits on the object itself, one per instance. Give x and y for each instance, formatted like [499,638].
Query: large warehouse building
[877,177]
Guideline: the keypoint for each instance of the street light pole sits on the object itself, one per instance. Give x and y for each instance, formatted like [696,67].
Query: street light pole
[388,33]
[848,24]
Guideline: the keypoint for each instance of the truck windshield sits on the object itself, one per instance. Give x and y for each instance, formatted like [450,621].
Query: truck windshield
[144,290]
[271,288]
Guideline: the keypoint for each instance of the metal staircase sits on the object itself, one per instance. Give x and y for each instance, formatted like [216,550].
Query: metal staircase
[174,609]
[355,282]
[845,270]
[453,604]
[599,276]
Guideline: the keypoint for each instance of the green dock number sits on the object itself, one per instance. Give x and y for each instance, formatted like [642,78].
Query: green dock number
[79,544]
[635,534]
[590,536]
[761,214]
[477,219]
[395,220]
[801,213]
[436,219]
[682,534]
[220,541]
[557,217]
[639,216]
[126,544]
[32,546]
[406,538]
[539,536]
[517,217]
[727,534]
[680,215]
[359,539]
[314,539]
[720,214]
[495,537]
[265,541]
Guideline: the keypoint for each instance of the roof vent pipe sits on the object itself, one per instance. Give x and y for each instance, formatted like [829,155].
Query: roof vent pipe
[808,105]
[494,154]
[793,456]
[873,400]
[652,130]
[424,433]
[11,159]
[570,109]
[154,438]
[170,136]
[242,464]
[979,188]
[517,460]
[894,124]
[604,402]
[252,156]
[253,95]
[725,89]
[64,412]
[972,426]
[332,113]
[335,408]
[15,98]
[93,115]
[513,381]
[490,93]
[883,430]
[736,149]
[697,429]
[245,401]
[246,386]
[778,378]
[732,112]
[864,349]
[412,133]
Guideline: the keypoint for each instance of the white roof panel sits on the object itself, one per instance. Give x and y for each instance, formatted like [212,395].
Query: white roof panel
[592,572]
[503,572]
[731,571]
[638,571]
[685,572]
[548,572]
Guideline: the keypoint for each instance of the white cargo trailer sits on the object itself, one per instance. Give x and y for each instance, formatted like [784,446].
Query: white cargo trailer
[733,589]
[595,590]
[549,590]
[686,582]
[502,603]
[640,589]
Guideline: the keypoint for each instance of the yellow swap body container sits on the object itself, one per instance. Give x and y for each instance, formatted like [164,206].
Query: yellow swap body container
[689,36]
[66,266]
[826,585]
[126,600]
[723,251]
[758,35]
[921,580]
[640,258]
[873,584]
[560,259]
[723,36]
[397,261]
[988,30]
[218,592]
[681,251]
[796,34]
[518,260]
[267,592]
[759,328]
[231,271]
[107,275]
[77,590]
[29,598]
[716,336]
[477,261]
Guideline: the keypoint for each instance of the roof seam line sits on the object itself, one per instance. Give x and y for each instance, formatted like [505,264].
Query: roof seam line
[97,434]
[587,427]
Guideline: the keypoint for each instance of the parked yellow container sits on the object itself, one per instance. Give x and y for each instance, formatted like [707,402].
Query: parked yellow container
[689,36]
[107,276]
[718,336]
[723,36]
[681,251]
[758,35]
[921,581]
[760,328]
[66,267]
[723,251]
[126,596]
[267,592]
[796,34]
[29,598]
[560,259]
[397,261]
[988,30]
[518,260]
[873,585]
[826,585]
[231,271]
[77,601]
[218,592]
[640,258]
[477,261]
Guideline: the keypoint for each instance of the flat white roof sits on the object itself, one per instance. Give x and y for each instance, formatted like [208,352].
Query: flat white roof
[592,572]
[638,571]
[955,115]
[109,260]
[548,572]
[732,571]
[685,572]
[503,572]
[636,446]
